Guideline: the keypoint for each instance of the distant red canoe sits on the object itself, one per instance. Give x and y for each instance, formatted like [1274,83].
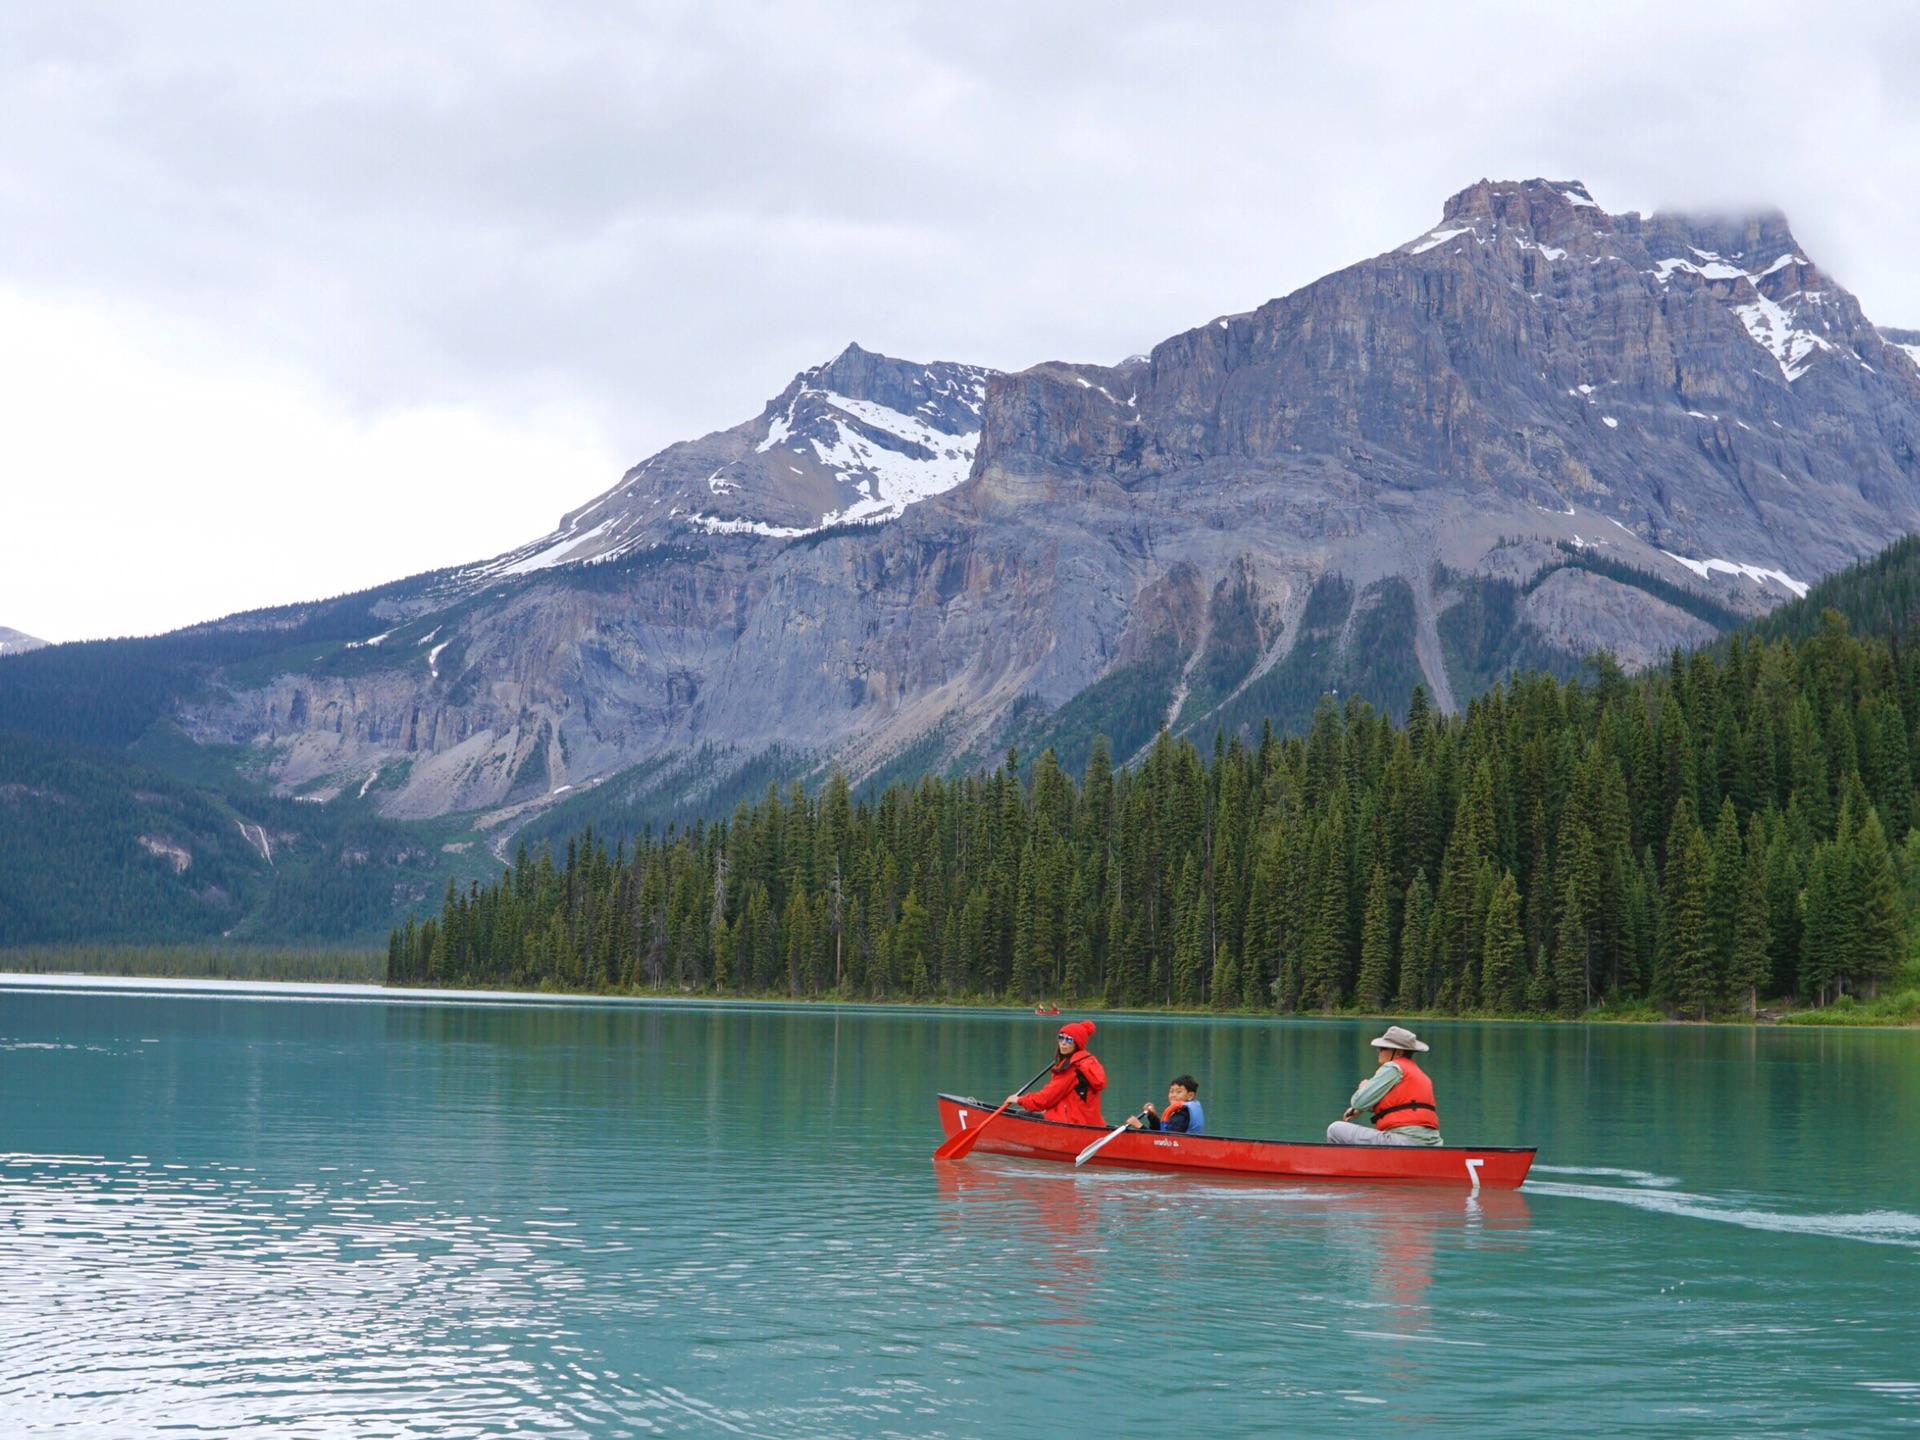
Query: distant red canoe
[1046,1009]
[1498,1167]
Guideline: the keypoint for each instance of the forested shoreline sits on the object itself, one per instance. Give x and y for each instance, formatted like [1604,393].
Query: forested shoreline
[199,962]
[1701,839]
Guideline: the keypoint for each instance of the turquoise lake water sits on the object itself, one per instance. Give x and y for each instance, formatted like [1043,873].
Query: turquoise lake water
[240,1215]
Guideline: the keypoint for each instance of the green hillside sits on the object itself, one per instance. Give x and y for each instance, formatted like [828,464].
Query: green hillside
[1880,596]
[100,846]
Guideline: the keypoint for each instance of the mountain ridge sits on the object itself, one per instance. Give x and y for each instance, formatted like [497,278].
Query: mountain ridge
[18,642]
[1385,477]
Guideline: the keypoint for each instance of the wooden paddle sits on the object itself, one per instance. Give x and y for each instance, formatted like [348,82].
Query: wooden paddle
[959,1146]
[1113,1134]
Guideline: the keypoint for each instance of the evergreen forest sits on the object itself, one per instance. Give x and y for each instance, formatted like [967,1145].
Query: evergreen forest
[1730,831]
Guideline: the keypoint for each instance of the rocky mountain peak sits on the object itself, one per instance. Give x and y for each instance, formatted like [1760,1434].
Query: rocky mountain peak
[946,397]
[856,440]
[1544,209]
[1750,264]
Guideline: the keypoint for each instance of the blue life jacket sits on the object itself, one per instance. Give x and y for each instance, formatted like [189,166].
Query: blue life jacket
[1196,1119]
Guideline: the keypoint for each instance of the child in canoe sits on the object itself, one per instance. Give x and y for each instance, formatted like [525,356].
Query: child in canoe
[1183,1114]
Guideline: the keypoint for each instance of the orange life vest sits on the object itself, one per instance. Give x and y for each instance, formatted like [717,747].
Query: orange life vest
[1408,1103]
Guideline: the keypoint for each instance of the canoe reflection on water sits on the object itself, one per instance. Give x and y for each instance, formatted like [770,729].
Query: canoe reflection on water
[1087,1228]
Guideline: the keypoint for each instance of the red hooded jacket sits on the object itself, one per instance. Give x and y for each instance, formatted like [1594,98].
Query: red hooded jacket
[1072,1094]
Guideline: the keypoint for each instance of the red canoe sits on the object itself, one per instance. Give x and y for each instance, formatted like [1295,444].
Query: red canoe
[1499,1167]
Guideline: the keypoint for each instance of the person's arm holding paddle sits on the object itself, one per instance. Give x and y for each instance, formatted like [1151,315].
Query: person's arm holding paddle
[1072,1094]
[1398,1093]
[1182,1113]
[1371,1089]
[1059,1079]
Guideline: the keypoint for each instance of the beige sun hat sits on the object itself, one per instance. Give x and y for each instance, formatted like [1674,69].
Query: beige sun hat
[1398,1037]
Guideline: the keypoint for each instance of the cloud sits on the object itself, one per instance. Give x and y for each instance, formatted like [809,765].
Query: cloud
[647,218]
[149,490]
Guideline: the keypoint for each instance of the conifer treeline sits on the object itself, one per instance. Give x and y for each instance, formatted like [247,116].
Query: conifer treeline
[1701,838]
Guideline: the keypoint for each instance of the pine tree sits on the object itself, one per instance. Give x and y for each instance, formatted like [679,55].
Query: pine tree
[1572,951]
[1260,962]
[1727,878]
[1748,963]
[910,944]
[1127,978]
[1878,908]
[1819,924]
[1029,926]
[1684,961]
[1189,951]
[1080,958]
[1416,918]
[1503,969]
[1376,944]
[1460,907]
[798,923]
[1785,881]
[763,942]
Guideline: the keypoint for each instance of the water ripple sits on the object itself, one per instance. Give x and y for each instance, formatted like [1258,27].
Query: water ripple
[1875,1227]
[138,1296]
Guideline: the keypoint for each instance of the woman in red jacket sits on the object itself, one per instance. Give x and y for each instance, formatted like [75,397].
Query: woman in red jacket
[1072,1092]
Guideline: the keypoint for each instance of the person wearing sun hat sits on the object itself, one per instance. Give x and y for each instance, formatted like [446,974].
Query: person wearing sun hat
[1399,1094]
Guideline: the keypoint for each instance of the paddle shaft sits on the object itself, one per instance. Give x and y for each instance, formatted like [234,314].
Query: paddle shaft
[962,1144]
[1113,1134]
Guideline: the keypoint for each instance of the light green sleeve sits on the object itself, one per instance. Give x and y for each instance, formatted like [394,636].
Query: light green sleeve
[1371,1091]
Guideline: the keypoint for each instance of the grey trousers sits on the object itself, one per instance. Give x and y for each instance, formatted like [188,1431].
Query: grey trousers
[1345,1132]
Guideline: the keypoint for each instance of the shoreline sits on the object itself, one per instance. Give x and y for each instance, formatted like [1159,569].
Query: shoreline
[72,982]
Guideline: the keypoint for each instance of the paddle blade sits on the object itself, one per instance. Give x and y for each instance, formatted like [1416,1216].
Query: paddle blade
[958,1147]
[1094,1149]
[955,1147]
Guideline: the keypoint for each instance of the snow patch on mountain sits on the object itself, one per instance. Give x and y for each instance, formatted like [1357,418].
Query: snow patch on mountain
[1708,267]
[556,553]
[1779,326]
[1789,344]
[892,458]
[714,525]
[1759,574]
[1433,238]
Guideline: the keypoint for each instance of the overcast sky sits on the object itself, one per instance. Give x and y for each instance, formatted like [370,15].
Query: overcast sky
[300,298]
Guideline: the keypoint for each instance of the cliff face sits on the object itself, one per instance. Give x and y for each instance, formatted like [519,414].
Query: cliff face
[1536,430]
[1698,383]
